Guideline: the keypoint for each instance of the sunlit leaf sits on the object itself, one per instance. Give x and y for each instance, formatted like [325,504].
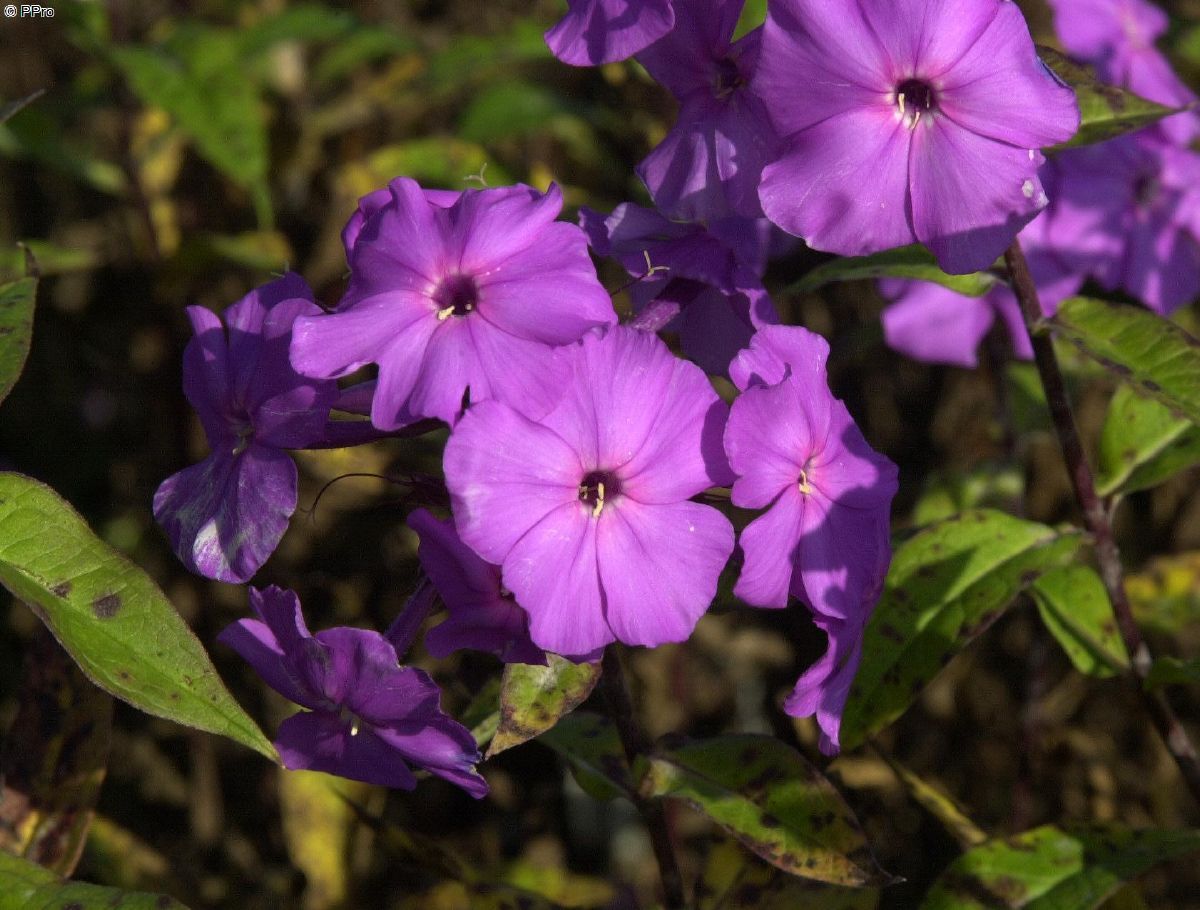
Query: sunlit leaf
[1075,608]
[317,825]
[533,698]
[16,330]
[592,749]
[54,760]
[1143,443]
[1165,594]
[510,108]
[947,584]
[1050,868]
[734,879]
[904,262]
[441,161]
[26,886]
[766,795]
[110,616]
[1139,347]
[1105,110]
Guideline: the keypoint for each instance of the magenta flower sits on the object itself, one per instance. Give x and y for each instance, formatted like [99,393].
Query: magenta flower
[368,718]
[226,514]
[605,31]
[586,509]
[445,298]
[709,165]
[1117,37]
[711,273]
[483,615]
[907,120]
[823,538]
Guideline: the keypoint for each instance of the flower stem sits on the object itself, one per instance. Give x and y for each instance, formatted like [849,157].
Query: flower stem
[1096,518]
[635,742]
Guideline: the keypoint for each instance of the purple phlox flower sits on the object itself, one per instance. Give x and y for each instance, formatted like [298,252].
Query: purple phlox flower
[226,514]
[471,295]
[711,273]
[1117,37]
[709,165]
[484,616]
[908,120]
[1128,212]
[587,509]
[823,538]
[605,31]
[368,718]
[934,324]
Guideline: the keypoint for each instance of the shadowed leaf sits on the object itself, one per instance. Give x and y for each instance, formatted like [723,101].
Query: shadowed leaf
[110,616]
[946,585]
[16,330]
[592,749]
[54,760]
[1105,110]
[317,825]
[766,795]
[1049,868]
[904,262]
[1140,347]
[1143,443]
[1171,671]
[533,698]
[733,879]
[939,804]
[26,886]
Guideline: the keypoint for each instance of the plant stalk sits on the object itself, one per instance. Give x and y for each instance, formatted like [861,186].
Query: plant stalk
[1096,518]
[635,742]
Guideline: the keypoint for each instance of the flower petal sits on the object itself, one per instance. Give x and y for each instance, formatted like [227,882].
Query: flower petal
[934,324]
[316,741]
[605,31]
[769,544]
[259,647]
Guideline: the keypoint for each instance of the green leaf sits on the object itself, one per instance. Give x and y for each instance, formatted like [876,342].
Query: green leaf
[304,22]
[511,108]
[1165,594]
[766,795]
[482,715]
[110,616]
[734,879]
[1143,443]
[206,92]
[50,258]
[592,749]
[1075,608]
[318,820]
[362,46]
[904,262]
[54,759]
[1171,671]
[1105,110]
[947,493]
[11,107]
[25,886]
[938,803]
[36,134]
[16,330]
[1140,347]
[946,585]
[533,698]
[441,161]
[1051,868]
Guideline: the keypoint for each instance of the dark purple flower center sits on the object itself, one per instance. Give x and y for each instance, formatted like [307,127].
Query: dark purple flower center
[457,295]
[598,488]
[727,79]
[914,98]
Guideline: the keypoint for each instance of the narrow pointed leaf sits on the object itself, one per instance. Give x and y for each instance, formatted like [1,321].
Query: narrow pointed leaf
[26,886]
[1051,868]
[766,795]
[590,745]
[903,262]
[1171,671]
[1075,608]
[947,584]
[110,616]
[1141,348]
[16,330]
[1105,110]
[533,698]
[939,804]
[1143,443]
[734,879]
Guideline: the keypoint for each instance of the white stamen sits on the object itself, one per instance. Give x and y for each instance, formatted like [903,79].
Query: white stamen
[599,504]
[805,486]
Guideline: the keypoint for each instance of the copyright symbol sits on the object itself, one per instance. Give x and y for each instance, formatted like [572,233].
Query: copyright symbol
[10,12]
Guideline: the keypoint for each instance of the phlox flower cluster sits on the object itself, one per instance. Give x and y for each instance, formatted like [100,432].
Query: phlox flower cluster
[587,462]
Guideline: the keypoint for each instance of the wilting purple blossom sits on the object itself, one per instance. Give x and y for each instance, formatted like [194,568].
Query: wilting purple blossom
[1128,211]
[368,718]
[823,538]
[483,615]
[445,298]
[1117,37]
[605,31]
[587,509]
[711,273]
[907,120]
[709,165]
[226,514]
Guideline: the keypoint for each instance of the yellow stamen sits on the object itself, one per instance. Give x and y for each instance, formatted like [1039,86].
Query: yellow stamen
[445,313]
[596,509]
[805,486]
[900,102]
